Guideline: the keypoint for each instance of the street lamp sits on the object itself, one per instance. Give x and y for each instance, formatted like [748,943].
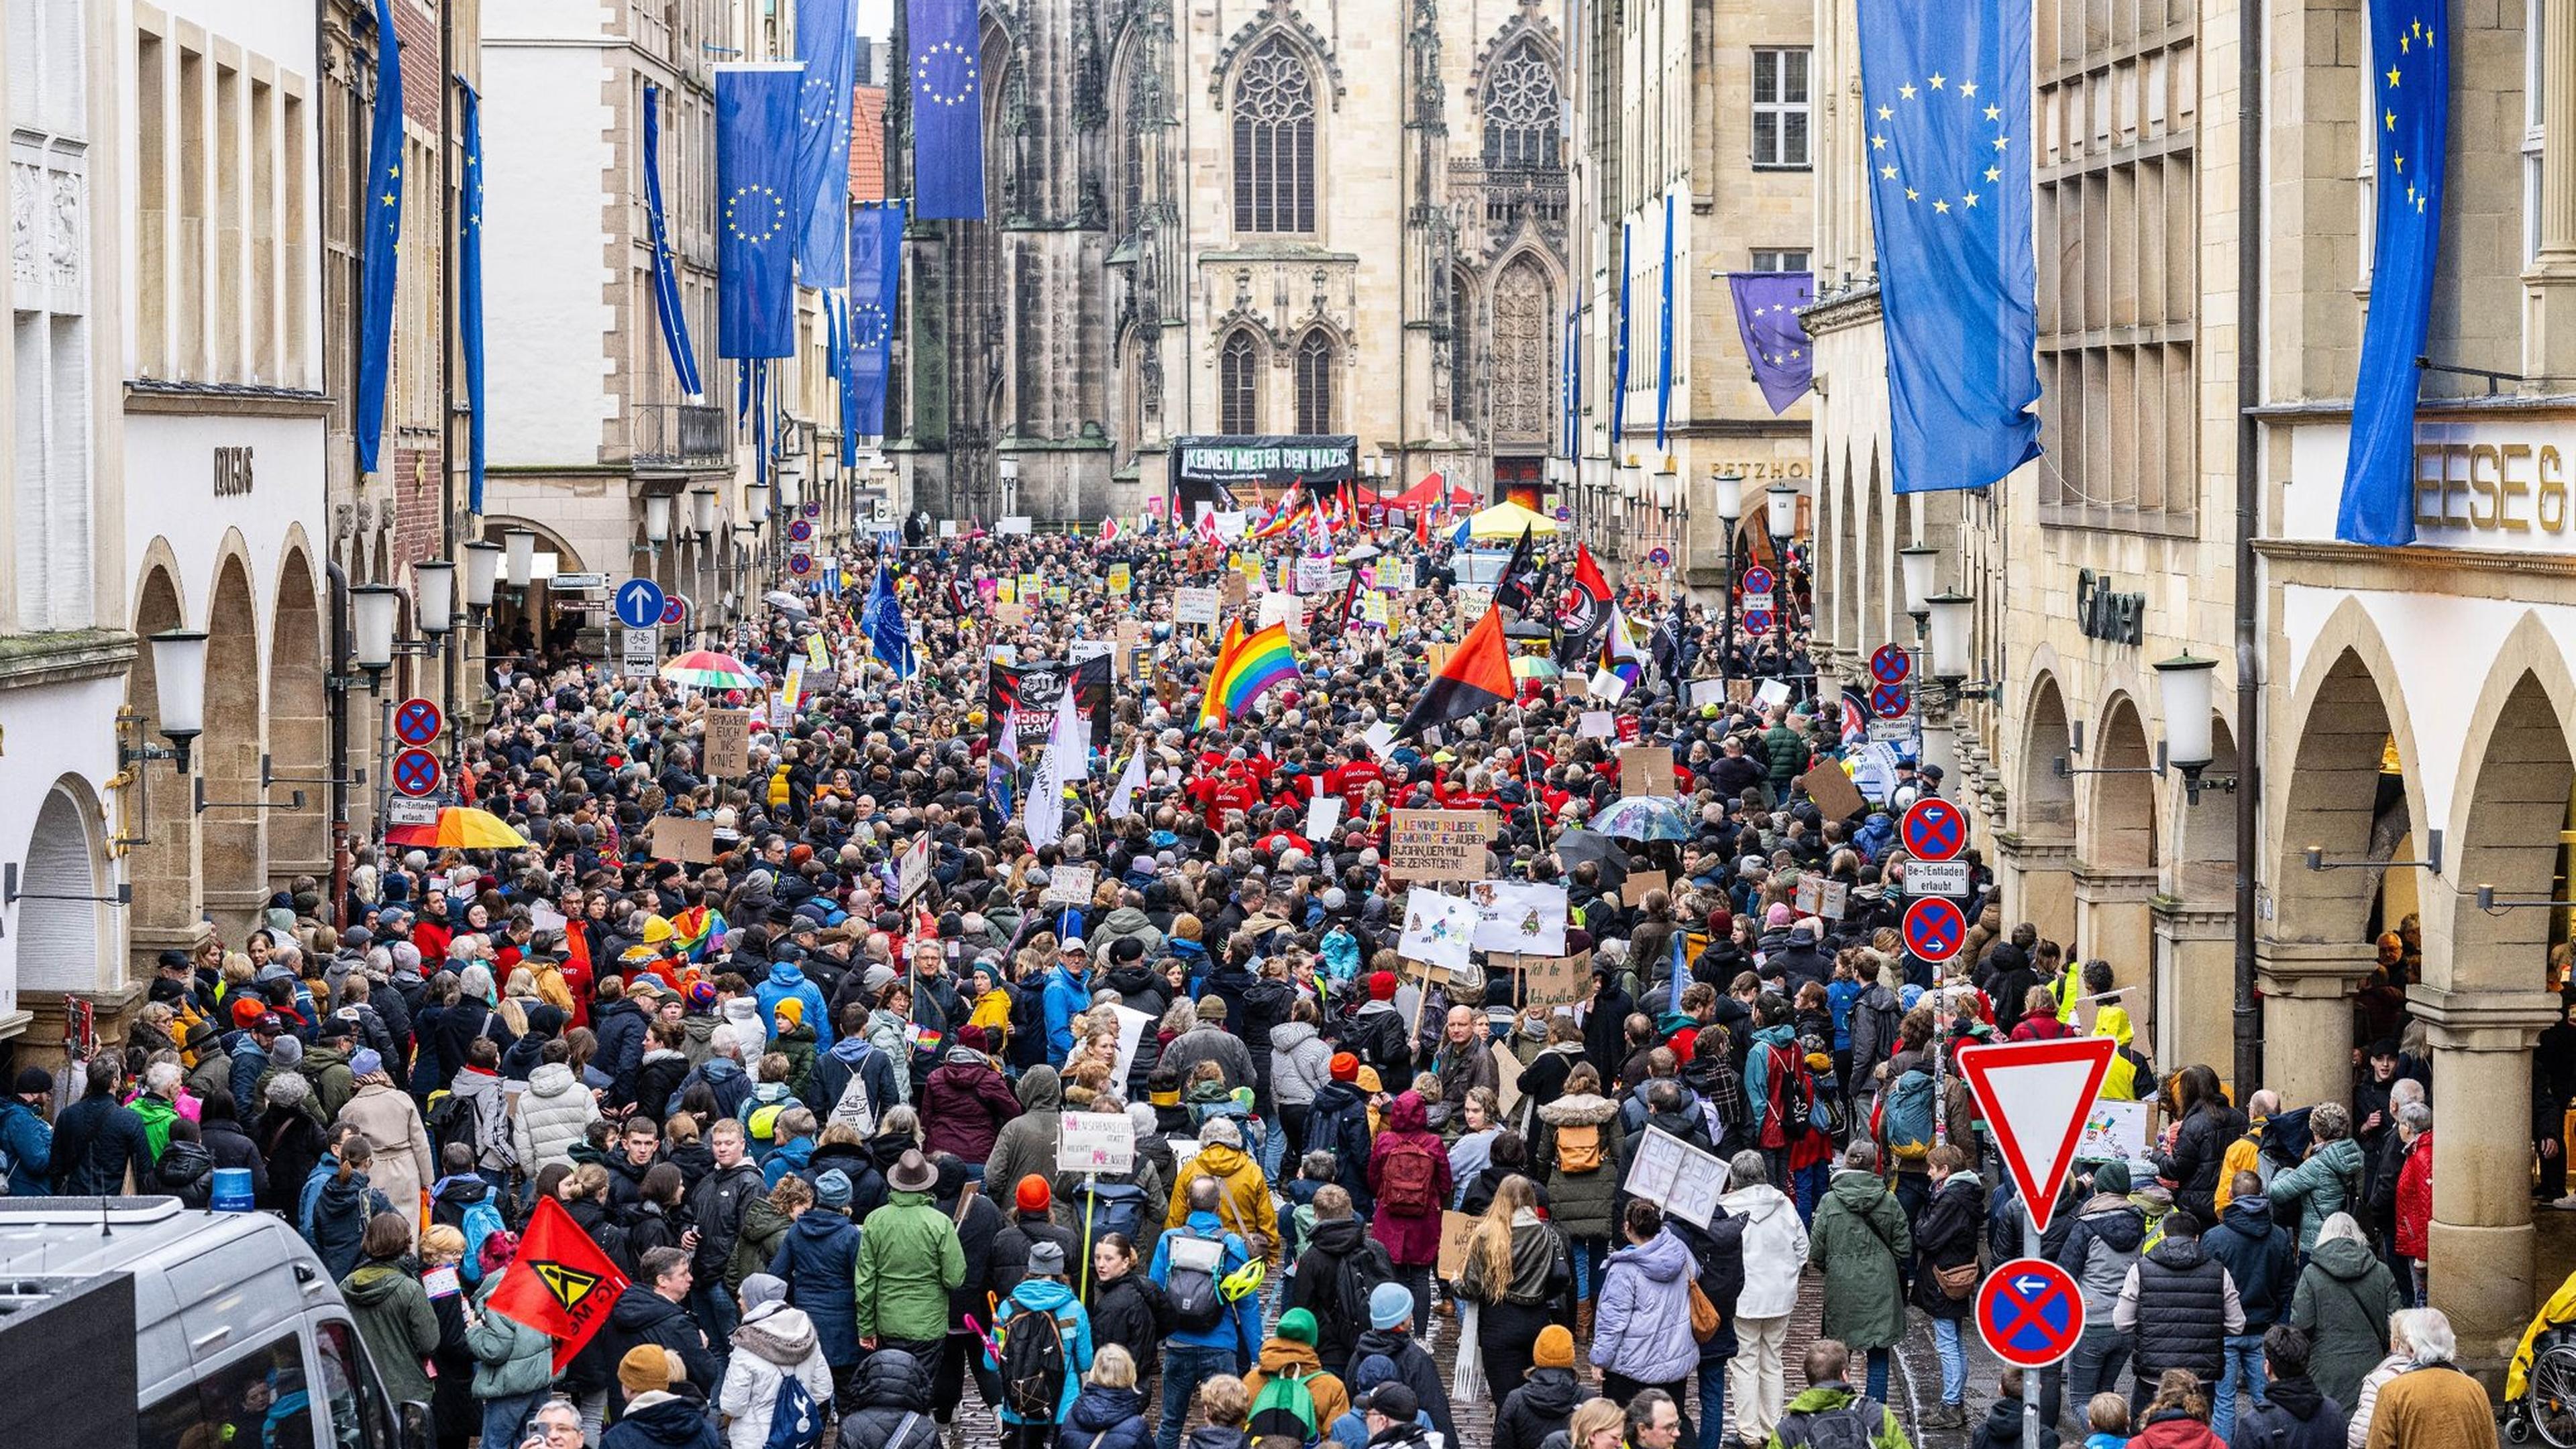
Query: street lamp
[791,482]
[1914,565]
[702,514]
[434,591]
[373,611]
[1729,487]
[1780,520]
[1009,472]
[179,689]
[522,544]
[482,568]
[757,499]
[657,519]
[2184,684]
[1951,614]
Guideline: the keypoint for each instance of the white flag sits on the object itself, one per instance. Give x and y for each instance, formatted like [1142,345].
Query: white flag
[1122,798]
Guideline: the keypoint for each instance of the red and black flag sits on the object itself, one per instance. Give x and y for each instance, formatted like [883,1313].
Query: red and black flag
[1476,678]
[1518,586]
[1583,614]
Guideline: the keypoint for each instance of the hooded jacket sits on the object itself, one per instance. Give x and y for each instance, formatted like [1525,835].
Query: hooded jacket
[1536,1408]
[1775,1249]
[1413,1367]
[1301,1064]
[1642,1329]
[2099,1248]
[819,1260]
[1338,1122]
[399,1326]
[620,1025]
[510,1358]
[777,1342]
[1055,1297]
[1124,923]
[965,1106]
[1130,1311]
[2344,1297]
[2181,1306]
[786,980]
[1068,995]
[2329,1182]
[891,1386]
[1945,1235]
[853,1057]
[1105,1418]
[2001,1428]
[1859,1235]
[643,1316]
[1240,1328]
[1243,1197]
[553,1114]
[1411,1241]
[909,1262]
[1028,1143]
[657,1419]
[1316,1285]
[1299,1360]
[1822,1399]
[1583,1204]
[2257,1254]
[2294,1414]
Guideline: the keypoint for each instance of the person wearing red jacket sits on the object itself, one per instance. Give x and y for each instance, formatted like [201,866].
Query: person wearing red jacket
[2415,1191]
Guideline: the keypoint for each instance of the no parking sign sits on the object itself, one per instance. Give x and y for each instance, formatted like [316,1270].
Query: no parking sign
[2030,1312]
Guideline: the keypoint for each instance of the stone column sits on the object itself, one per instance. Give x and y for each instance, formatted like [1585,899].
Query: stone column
[2308,988]
[2550,349]
[2195,986]
[2038,882]
[2481,1242]
[2114,922]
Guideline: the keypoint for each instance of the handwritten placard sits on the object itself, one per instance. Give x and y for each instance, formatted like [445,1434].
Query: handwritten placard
[1646,770]
[1677,1177]
[1439,844]
[1551,980]
[1194,606]
[681,838]
[1069,885]
[728,742]
[1096,1142]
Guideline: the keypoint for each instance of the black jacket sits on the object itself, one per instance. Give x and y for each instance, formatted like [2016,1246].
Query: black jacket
[2293,1415]
[888,1385]
[715,1209]
[229,1146]
[643,1316]
[1317,1284]
[1536,1409]
[1130,1311]
[1945,1235]
[2182,1311]
[1011,1248]
[975,1235]
[2001,1428]
[96,1140]
[1414,1368]
[2199,1153]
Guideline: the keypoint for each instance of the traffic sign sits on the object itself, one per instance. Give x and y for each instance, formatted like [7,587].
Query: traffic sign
[417,721]
[1935,929]
[1887,701]
[409,810]
[1934,830]
[417,772]
[1758,580]
[1563,513]
[1758,622]
[1889,664]
[800,564]
[2030,1312]
[639,603]
[1660,557]
[800,530]
[675,608]
[2034,1096]
[640,653]
[1937,878]
[813,508]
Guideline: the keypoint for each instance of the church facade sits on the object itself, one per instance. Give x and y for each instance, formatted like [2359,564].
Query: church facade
[1238,218]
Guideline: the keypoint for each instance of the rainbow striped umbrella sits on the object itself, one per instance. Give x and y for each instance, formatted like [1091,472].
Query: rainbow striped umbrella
[710,669]
[460,827]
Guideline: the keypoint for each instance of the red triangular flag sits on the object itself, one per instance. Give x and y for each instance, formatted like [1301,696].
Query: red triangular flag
[1476,678]
[560,1283]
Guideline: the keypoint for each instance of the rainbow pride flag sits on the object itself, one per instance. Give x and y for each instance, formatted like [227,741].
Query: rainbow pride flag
[1248,665]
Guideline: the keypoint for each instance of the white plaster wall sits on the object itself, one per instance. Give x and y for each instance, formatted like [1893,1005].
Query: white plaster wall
[545,266]
[52,731]
[171,499]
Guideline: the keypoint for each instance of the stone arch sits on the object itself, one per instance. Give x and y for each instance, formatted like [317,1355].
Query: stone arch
[299,723]
[1284,25]
[2043,802]
[1848,570]
[2348,715]
[1518,91]
[2118,811]
[153,810]
[2511,806]
[59,932]
[232,873]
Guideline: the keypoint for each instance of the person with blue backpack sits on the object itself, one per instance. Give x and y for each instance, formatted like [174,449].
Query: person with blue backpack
[777,1387]
[1211,1333]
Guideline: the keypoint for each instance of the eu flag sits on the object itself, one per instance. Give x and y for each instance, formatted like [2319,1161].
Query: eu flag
[755,210]
[827,41]
[381,203]
[469,289]
[666,275]
[1619,358]
[1946,103]
[1664,333]
[881,619]
[876,265]
[2410,119]
[1775,341]
[947,110]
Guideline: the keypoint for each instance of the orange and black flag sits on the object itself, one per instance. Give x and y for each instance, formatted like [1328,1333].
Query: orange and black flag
[560,1283]
[1476,678]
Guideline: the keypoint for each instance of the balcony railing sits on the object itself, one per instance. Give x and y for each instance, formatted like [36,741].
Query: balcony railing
[680,435]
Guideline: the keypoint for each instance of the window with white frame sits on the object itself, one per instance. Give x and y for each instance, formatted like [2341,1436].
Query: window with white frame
[1780,261]
[1780,107]
[2535,41]
[49,456]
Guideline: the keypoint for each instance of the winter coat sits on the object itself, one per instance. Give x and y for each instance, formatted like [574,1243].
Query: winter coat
[554,1112]
[965,1106]
[1301,1063]
[1414,1368]
[762,1233]
[620,1025]
[2415,1197]
[510,1358]
[1051,1296]
[1945,1235]
[1775,1248]
[2100,1245]
[891,1387]
[1029,1142]
[787,981]
[2329,1182]
[2174,1429]
[657,1081]
[481,1097]
[642,1316]
[2344,1297]
[1410,1241]
[1316,1285]
[2257,1254]
[229,1146]
[1212,1044]
[658,1419]
[725,1077]
[1286,1356]
[1338,1123]
[186,1171]
[1539,1268]
[1130,1311]
[334,1215]
[909,1262]
[2001,1428]
[2293,1415]
[291,1141]
[2382,1374]
[819,1261]
[766,1351]
[2181,1310]
[1106,1418]
[1239,1330]
[27,1140]
[97,1142]
[1859,1236]
[1026,1230]
[2200,1153]
[1533,1410]
[852,1056]
[981,1224]
[1822,1399]
[404,1164]
[717,1206]
[1243,1199]
[2431,1404]
[397,1323]
[1642,1327]
[1583,1204]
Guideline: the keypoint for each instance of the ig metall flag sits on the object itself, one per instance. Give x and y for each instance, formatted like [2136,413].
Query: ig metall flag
[876,266]
[380,234]
[2410,123]
[947,110]
[756,220]
[827,41]
[1946,109]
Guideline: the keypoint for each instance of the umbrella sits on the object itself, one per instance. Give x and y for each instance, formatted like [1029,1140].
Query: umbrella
[1530,629]
[786,603]
[1362,554]
[1505,521]
[710,669]
[459,827]
[1574,847]
[1534,666]
[1643,817]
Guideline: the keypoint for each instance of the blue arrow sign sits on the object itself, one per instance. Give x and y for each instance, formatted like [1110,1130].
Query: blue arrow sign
[639,603]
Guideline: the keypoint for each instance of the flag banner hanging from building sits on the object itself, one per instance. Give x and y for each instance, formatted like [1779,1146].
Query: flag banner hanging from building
[2410,122]
[1775,342]
[876,265]
[1570,391]
[666,274]
[469,291]
[1619,360]
[845,382]
[756,221]
[947,110]
[1664,333]
[1946,98]
[381,204]
[881,619]
[827,41]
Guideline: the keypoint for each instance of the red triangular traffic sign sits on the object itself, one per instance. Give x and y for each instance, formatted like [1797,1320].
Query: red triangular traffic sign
[2034,1095]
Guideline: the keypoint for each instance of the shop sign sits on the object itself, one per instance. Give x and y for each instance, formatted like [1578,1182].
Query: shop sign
[2107,614]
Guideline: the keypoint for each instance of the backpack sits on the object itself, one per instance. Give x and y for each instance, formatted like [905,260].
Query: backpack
[1787,1118]
[1409,1183]
[1034,1366]
[795,1421]
[1362,1272]
[1853,1426]
[1190,1281]
[1907,1117]
[1578,1147]
[1284,1406]
[482,1220]
[856,1109]
[1113,1207]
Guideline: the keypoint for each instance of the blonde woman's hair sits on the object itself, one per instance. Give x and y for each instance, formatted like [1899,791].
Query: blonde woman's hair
[1113,1367]
[1591,1417]
[1492,1241]
[440,1243]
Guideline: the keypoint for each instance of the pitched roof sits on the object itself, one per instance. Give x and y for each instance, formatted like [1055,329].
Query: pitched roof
[867,144]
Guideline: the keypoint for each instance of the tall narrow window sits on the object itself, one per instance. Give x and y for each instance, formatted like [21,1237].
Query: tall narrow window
[1315,384]
[2536,81]
[1780,108]
[1238,386]
[1521,108]
[47,455]
[1274,141]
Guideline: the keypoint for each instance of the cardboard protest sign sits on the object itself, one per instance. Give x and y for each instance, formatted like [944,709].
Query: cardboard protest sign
[1438,929]
[677,837]
[1235,592]
[1121,579]
[1551,980]
[1632,891]
[1457,1232]
[1444,845]
[1646,770]
[728,744]
[1833,791]
[1677,1177]
[1597,724]
[1519,917]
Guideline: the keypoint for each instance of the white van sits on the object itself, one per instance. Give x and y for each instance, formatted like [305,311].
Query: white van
[241,1337]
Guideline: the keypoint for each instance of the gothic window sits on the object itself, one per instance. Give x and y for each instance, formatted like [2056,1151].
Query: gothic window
[1521,108]
[1315,384]
[1274,141]
[1521,345]
[1238,386]
[1462,350]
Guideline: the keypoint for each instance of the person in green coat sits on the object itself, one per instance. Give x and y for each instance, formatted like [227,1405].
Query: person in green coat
[1859,1237]
[514,1365]
[392,1309]
[2328,1182]
[909,1262]
[2343,1302]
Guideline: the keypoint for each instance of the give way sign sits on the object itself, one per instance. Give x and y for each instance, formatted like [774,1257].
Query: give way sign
[2034,1096]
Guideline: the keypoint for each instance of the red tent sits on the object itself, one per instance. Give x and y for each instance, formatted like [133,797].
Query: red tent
[1426,494]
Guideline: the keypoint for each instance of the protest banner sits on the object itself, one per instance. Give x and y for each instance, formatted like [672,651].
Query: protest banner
[1121,580]
[2113,1132]
[1439,845]
[1646,770]
[1519,917]
[1550,980]
[1833,791]
[1677,1177]
[1069,885]
[680,838]
[1096,1142]
[1597,724]
[1195,606]
[728,746]
[1437,929]
[1322,814]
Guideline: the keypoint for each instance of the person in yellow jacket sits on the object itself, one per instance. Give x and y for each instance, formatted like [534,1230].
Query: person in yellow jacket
[2245,1154]
[1244,1205]
[2131,1078]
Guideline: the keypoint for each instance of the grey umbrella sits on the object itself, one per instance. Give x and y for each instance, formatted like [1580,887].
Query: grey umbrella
[1577,846]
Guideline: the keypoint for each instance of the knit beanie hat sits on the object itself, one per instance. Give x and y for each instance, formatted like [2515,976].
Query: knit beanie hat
[648,1368]
[1032,1194]
[1345,1066]
[2112,1178]
[1381,985]
[792,1009]
[1390,1305]
[1555,1348]
[1297,1326]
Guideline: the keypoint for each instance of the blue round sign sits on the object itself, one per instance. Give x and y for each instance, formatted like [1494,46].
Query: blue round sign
[800,530]
[1934,830]
[1757,621]
[639,603]
[1659,556]
[2030,1312]
[1888,701]
[1758,580]
[416,773]
[1935,928]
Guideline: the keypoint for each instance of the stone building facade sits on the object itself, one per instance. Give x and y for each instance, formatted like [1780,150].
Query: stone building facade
[1239,218]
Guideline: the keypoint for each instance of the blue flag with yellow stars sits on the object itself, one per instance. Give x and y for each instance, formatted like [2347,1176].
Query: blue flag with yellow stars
[827,41]
[1664,334]
[1619,358]
[381,239]
[947,110]
[1946,103]
[876,268]
[666,275]
[1775,341]
[756,220]
[469,289]
[2410,120]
